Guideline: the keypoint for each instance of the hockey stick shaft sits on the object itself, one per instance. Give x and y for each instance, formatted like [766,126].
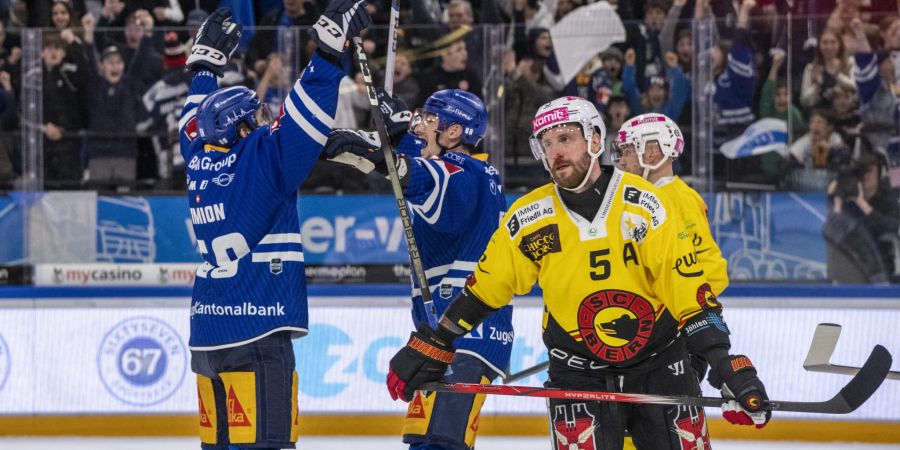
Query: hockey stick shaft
[392,47]
[854,394]
[414,257]
[822,348]
[513,377]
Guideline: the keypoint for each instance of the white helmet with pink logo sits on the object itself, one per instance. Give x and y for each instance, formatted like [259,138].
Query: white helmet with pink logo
[651,127]
[562,111]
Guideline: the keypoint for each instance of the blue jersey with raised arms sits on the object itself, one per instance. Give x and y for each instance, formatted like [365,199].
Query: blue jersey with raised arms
[457,203]
[243,206]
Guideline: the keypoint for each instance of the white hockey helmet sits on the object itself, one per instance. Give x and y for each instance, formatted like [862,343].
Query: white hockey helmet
[562,111]
[645,128]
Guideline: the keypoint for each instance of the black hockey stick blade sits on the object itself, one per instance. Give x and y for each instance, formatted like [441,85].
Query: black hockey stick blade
[855,393]
[822,347]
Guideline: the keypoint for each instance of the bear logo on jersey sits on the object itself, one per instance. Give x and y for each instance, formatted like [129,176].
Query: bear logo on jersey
[615,325]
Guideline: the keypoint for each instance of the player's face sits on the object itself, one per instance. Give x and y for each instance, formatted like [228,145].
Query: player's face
[626,158]
[425,125]
[567,156]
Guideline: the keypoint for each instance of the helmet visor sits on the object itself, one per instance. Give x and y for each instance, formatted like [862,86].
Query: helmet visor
[421,120]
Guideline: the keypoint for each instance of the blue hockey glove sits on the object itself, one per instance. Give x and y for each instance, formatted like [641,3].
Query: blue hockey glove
[343,20]
[215,42]
[396,114]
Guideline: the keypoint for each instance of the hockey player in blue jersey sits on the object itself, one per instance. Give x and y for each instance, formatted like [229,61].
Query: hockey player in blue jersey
[249,297]
[457,202]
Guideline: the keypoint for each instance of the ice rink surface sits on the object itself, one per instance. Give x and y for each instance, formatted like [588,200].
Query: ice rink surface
[379,443]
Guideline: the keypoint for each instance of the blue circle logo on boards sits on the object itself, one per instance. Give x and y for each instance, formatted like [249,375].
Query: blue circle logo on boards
[4,362]
[142,361]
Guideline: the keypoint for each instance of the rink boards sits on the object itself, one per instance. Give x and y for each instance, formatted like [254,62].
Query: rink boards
[103,351]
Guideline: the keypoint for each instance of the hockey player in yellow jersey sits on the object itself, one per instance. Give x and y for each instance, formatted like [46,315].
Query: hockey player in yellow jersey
[648,145]
[621,286]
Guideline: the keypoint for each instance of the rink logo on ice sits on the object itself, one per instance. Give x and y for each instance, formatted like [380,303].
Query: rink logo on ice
[142,361]
[4,362]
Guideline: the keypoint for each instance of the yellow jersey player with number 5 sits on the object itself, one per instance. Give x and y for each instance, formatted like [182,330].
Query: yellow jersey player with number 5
[625,302]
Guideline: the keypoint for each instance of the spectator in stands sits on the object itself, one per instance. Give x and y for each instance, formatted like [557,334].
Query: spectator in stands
[735,80]
[459,14]
[10,52]
[845,110]
[657,96]
[524,94]
[273,84]
[292,13]
[41,14]
[564,7]
[450,72]
[163,102]
[861,229]
[831,66]
[877,83]
[821,148]
[533,14]
[613,59]
[64,21]
[673,40]
[7,113]
[617,112]
[62,94]
[114,101]
[138,49]
[592,83]
[406,86]
[775,100]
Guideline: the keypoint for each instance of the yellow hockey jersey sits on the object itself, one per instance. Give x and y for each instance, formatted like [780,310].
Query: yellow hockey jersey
[693,211]
[615,288]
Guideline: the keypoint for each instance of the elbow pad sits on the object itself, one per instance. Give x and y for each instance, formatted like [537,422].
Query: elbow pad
[707,332]
[465,312]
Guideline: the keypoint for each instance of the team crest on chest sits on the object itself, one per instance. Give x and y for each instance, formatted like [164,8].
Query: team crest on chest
[615,325]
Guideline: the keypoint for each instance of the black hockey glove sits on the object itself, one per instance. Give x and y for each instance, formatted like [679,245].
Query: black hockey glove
[342,21]
[424,360]
[736,377]
[395,112]
[362,150]
[216,41]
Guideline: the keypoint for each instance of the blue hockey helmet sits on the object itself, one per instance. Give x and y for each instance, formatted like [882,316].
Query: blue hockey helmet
[455,106]
[220,112]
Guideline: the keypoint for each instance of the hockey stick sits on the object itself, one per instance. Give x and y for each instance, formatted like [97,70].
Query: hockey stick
[415,259]
[854,394]
[513,377]
[823,344]
[392,47]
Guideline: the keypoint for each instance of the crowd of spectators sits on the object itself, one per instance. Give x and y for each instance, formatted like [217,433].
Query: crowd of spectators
[113,78]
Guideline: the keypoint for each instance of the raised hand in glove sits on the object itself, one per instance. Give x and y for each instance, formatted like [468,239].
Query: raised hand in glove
[362,150]
[736,377]
[342,21]
[216,41]
[395,112]
[424,360]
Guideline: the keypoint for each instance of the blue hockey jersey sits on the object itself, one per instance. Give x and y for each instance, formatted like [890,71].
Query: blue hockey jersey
[870,85]
[243,204]
[457,202]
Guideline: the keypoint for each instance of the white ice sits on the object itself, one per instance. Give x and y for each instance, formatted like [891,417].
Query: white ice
[378,443]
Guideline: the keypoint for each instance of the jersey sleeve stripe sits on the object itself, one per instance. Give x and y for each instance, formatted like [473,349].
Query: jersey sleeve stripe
[739,67]
[435,201]
[311,105]
[186,117]
[284,256]
[281,238]
[301,121]
[439,271]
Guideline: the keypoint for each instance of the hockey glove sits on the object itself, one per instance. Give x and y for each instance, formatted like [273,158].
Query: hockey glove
[424,360]
[362,150]
[342,21]
[215,42]
[736,377]
[396,114]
